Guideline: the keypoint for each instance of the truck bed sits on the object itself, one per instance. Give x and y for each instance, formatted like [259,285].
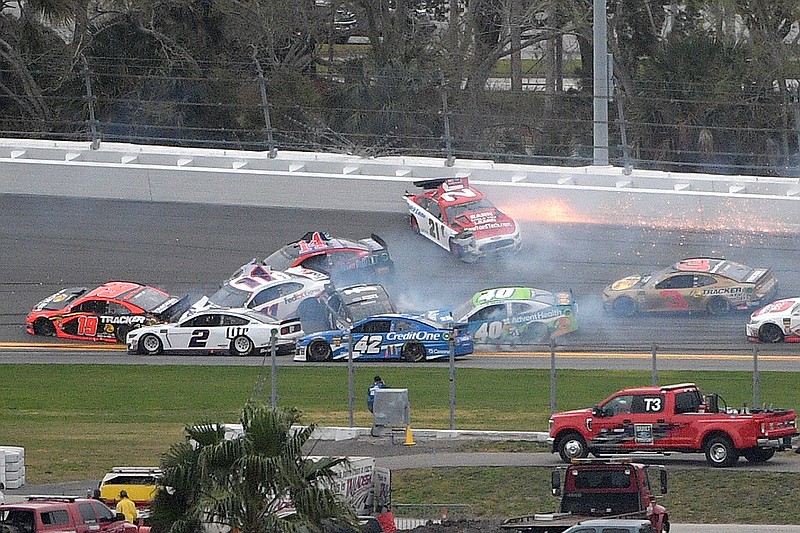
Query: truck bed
[555,522]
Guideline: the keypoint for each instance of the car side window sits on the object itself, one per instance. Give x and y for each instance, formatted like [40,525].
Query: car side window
[618,405]
[647,403]
[681,281]
[203,321]
[87,513]
[103,512]
[404,325]
[115,308]
[267,295]
[91,306]
[230,320]
[435,210]
[490,312]
[703,281]
[58,517]
[523,307]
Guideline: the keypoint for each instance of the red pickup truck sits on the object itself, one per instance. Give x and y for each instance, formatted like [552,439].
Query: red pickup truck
[673,418]
[61,514]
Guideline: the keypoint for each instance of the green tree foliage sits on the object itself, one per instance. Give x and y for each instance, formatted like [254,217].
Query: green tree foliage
[246,483]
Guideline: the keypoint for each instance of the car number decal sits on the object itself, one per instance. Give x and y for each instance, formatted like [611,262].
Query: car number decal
[452,192]
[368,344]
[199,338]
[435,229]
[87,325]
[674,299]
[489,330]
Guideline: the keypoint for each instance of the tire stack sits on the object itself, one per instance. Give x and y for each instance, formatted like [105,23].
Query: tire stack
[12,467]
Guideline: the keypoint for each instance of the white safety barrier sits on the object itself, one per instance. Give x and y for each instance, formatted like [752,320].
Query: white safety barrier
[603,195]
[12,467]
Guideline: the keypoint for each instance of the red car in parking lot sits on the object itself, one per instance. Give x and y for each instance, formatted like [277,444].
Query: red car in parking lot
[106,313]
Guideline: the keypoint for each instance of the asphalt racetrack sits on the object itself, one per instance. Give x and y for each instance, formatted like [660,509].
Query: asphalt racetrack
[51,243]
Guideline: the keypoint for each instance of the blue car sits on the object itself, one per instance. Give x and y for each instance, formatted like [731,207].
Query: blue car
[385,338]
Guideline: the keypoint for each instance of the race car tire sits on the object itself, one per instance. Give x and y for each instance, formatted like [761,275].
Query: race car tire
[242,345]
[720,451]
[536,332]
[413,352]
[623,307]
[150,345]
[414,224]
[121,334]
[42,326]
[758,455]
[718,306]
[572,446]
[770,333]
[319,351]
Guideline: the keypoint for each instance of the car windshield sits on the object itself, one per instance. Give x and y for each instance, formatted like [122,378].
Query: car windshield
[283,258]
[736,271]
[454,211]
[148,298]
[228,296]
[460,313]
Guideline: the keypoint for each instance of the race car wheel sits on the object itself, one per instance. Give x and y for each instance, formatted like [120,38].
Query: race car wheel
[623,307]
[319,351]
[536,332]
[242,345]
[42,326]
[770,333]
[720,451]
[718,306]
[413,352]
[758,455]
[572,446]
[121,334]
[150,345]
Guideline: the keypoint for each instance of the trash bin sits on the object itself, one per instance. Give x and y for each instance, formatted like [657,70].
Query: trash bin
[391,409]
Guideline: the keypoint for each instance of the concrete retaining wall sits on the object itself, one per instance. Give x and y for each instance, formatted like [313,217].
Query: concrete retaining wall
[346,182]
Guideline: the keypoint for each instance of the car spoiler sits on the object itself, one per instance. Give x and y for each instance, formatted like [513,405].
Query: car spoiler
[430,184]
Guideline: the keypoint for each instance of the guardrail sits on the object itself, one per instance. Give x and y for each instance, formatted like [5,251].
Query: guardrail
[347,182]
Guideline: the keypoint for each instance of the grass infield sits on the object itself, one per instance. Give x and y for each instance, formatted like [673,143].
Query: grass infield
[77,421]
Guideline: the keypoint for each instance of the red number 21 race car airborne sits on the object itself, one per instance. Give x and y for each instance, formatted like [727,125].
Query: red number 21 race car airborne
[461,219]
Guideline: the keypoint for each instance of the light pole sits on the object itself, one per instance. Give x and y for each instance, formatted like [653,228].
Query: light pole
[601,89]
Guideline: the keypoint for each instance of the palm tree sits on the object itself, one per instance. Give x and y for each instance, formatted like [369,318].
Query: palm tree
[258,482]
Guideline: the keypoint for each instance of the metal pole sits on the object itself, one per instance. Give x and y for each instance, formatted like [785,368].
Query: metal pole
[654,371]
[553,405]
[756,378]
[452,382]
[273,345]
[351,382]
[448,142]
[600,65]
[90,98]
[626,161]
[262,85]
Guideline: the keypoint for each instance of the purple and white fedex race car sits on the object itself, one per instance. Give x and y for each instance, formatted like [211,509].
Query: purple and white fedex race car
[384,338]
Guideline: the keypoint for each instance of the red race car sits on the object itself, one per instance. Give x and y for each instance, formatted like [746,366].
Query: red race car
[106,313]
[343,260]
[459,218]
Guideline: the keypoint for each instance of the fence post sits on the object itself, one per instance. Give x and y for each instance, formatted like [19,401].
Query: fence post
[351,382]
[553,405]
[452,382]
[273,346]
[262,85]
[756,378]
[654,371]
[448,141]
[90,98]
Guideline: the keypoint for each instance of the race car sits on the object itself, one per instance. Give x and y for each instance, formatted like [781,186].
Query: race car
[106,313]
[344,261]
[710,284]
[384,338]
[459,218]
[776,322]
[276,293]
[233,331]
[338,308]
[510,315]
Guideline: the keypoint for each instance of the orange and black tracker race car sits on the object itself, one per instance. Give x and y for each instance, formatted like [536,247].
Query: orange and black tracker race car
[707,284]
[106,313]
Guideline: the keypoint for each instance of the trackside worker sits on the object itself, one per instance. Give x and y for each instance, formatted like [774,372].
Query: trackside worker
[127,507]
[378,384]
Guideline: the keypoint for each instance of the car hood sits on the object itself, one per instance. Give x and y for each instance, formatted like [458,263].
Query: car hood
[776,309]
[485,223]
[630,282]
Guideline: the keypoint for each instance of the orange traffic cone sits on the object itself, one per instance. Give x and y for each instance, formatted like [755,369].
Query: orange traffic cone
[409,437]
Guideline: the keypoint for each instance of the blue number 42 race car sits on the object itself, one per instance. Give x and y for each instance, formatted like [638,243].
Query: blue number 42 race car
[384,338]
